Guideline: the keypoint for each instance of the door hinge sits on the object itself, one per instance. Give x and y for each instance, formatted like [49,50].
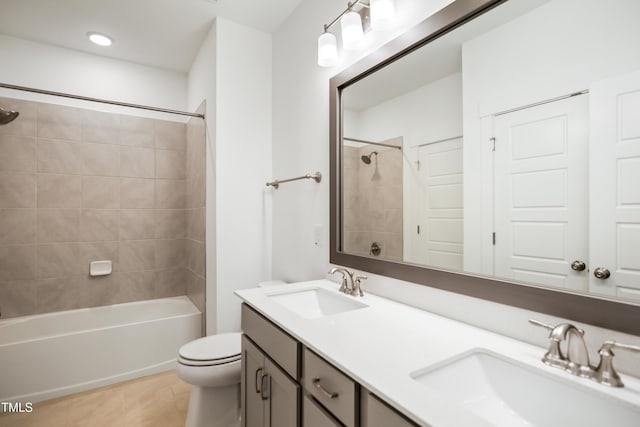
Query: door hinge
[418,229]
[418,165]
[493,238]
[493,144]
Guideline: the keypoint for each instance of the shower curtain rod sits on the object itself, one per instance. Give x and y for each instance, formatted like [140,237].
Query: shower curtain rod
[102,101]
[371,142]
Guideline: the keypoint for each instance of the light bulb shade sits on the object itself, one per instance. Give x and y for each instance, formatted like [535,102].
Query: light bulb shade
[327,50]
[382,12]
[352,33]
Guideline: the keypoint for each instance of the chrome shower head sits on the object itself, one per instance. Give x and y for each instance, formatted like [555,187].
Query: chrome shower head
[7,116]
[367,159]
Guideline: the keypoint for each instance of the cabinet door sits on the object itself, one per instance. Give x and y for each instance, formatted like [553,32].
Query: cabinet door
[314,416]
[375,413]
[283,403]
[253,370]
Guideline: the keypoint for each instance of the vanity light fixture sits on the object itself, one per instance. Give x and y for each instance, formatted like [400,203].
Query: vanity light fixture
[378,12]
[99,39]
[382,12]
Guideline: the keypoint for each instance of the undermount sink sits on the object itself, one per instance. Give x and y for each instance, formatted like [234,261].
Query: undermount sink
[504,392]
[315,302]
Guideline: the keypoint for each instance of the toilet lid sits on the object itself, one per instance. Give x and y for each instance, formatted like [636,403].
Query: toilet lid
[223,348]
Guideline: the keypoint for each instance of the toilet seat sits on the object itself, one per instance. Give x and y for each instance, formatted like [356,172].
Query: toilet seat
[213,350]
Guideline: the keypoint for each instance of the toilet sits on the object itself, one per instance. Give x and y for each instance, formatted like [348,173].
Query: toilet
[212,366]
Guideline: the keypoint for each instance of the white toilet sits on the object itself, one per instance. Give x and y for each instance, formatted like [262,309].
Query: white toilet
[212,366]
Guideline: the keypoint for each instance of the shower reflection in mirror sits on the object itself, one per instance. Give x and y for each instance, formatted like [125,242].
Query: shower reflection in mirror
[546,174]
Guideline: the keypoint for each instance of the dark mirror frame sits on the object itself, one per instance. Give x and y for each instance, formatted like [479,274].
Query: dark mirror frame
[606,313]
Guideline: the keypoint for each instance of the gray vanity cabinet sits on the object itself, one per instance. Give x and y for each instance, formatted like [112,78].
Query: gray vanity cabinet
[375,413]
[269,397]
[276,368]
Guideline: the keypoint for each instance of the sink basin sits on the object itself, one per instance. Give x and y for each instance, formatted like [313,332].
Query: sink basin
[316,302]
[504,392]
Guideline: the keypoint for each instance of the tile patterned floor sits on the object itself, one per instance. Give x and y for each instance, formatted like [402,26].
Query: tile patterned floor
[159,400]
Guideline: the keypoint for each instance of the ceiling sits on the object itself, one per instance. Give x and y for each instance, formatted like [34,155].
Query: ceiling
[160,33]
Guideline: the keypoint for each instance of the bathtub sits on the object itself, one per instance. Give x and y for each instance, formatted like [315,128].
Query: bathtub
[51,355]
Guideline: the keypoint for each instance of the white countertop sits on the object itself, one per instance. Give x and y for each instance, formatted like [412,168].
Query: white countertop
[380,345]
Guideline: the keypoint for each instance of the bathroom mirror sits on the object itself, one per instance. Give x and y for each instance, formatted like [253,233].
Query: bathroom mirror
[495,151]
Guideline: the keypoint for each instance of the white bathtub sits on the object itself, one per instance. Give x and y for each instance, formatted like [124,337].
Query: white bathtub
[50,355]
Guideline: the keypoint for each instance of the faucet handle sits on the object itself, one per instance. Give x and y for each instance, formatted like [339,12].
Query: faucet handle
[605,373]
[357,281]
[541,324]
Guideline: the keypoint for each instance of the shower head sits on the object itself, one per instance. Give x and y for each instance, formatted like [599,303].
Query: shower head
[367,159]
[7,116]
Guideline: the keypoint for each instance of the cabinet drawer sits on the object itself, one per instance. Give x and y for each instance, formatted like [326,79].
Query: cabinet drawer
[280,347]
[375,413]
[333,389]
[314,416]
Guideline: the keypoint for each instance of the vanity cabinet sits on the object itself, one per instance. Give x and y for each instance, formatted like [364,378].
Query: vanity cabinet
[287,385]
[270,398]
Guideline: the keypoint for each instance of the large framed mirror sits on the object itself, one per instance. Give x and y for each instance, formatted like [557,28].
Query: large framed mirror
[494,151]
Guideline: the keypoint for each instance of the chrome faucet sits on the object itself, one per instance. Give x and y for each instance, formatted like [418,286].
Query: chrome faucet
[350,282]
[576,361]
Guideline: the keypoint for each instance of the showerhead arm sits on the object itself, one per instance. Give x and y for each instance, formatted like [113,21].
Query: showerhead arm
[7,116]
[367,159]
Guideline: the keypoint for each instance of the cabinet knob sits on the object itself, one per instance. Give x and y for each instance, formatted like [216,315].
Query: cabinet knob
[578,265]
[601,273]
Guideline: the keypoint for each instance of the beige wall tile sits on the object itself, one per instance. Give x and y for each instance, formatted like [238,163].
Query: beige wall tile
[196,192]
[171,224]
[99,290]
[170,135]
[17,153]
[58,294]
[17,226]
[100,127]
[99,225]
[169,253]
[100,192]
[195,254]
[57,260]
[97,251]
[17,298]
[57,156]
[17,190]
[25,124]
[17,262]
[134,285]
[196,224]
[137,162]
[195,290]
[137,255]
[170,164]
[100,159]
[170,194]
[59,191]
[169,283]
[137,131]
[137,193]
[59,122]
[137,224]
[57,225]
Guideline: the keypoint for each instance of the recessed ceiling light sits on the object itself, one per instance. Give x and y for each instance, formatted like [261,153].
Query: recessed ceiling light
[99,39]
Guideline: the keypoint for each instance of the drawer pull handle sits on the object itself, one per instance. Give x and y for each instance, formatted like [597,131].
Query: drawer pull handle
[330,395]
[256,383]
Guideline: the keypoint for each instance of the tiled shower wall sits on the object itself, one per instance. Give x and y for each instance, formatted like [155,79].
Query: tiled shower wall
[195,204]
[373,201]
[78,185]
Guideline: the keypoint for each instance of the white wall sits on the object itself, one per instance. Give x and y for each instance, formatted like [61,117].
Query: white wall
[31,64]
[233,73]
[301,144]
[508,68]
